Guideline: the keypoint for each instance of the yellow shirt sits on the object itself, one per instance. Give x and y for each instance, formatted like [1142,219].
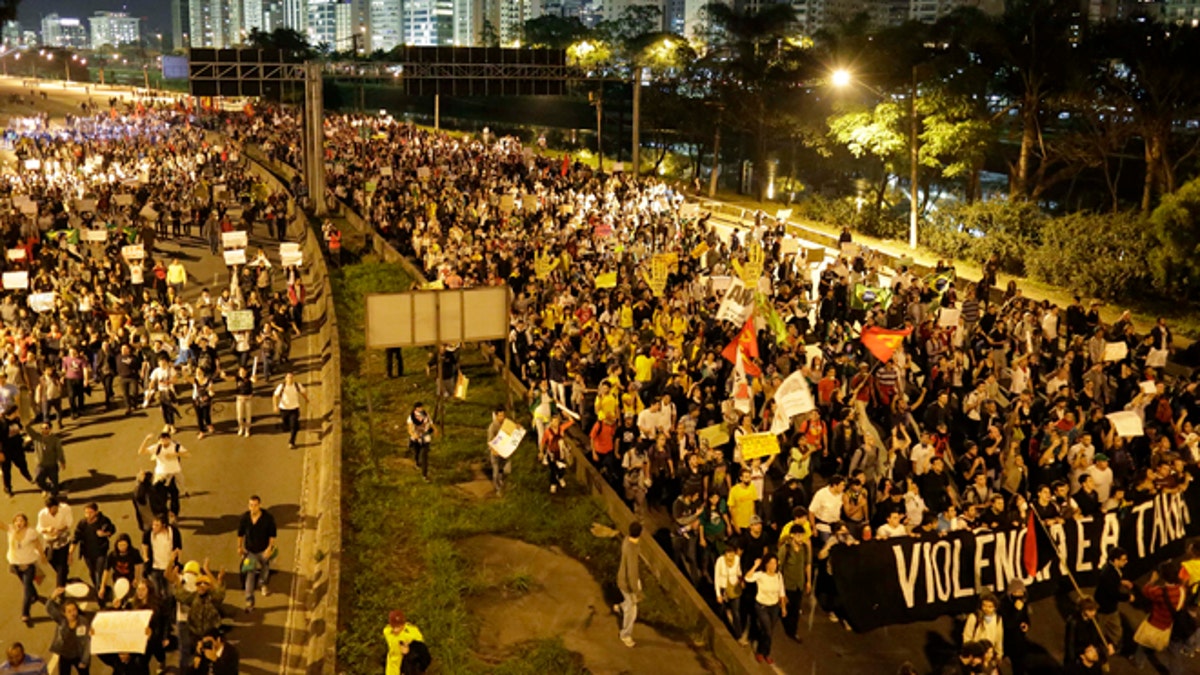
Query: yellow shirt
[407,635]
[643,367]
[626,321]
[741,504]
[176,274]
[607,407]
[787,530]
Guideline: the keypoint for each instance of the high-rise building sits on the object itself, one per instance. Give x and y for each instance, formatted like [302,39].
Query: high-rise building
[387,24]
[272,15]
[429,22]
[64,32]
[114,29]
[322,22]
[295,15]
[1182,12]
[180,13]
[252,15]
[468,23]
[11,34]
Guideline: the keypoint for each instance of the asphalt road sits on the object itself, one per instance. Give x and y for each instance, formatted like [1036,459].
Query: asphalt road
[221,472]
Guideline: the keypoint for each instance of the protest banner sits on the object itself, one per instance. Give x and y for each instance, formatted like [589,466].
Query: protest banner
[758,445]
[907,579]
[236,239]
[737,304]
[716,435]
[133,252]
[42,302]
[238,320]
[506,441]
[16,280]
[235,256]
[122,632]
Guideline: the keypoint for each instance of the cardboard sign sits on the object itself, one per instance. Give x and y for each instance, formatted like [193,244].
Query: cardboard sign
[529,203]
[16,254]
[506,203]
[42,302]
[123,200]
[758,445]
[789,245]
[386,171]
[120,632]
[289,247]
[506,441]
[815,256]
[716,435]
[1126,423]
[239,320]
[1149,387]
[850,249]
[235,239]
[235,256]
[700,250]
[98,236]
[689,211]
[85,205]
[1115,351]
[949,317]
[783,214]
[16,280]
[423,173]
[291,258]
[133,252]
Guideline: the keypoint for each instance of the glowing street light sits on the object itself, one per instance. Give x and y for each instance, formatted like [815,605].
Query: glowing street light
[841,78]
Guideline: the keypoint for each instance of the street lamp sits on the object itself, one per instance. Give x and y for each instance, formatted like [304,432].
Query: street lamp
[842,78]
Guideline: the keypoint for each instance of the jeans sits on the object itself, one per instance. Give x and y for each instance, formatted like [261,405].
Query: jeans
[203,416]
[129,387]
[421,456]
[14,458]
[257,577]
[26,573]
[500,466]
[242,405]
[768,617]
[54,404]
[95,565]
[75,395]
[59,558]
[291,422]
[733,615]
[65,666]
[628,614]
[47,479]
[187,646]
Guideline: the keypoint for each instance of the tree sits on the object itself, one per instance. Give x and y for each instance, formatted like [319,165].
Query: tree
[8,10]
[632,23]
[554,32]
[1096,255]
[284,39]
[878,133]
[488,35]
[1176,226]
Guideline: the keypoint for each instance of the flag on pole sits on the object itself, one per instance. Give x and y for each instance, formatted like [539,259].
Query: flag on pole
[744,346]
[1030,554]
[566,165]
[882,342]
[864,296]
[939,282]
[743,398]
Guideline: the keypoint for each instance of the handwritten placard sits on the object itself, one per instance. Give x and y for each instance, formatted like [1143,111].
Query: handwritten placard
[235,256]
[133,252]
[235,239]
[99,236]
[121,632]
[16,254]
[239,320]
[291,258]
[758,445]
[16,280]
[42,302]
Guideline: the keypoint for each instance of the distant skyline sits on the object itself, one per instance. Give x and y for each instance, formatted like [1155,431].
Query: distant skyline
[155,14]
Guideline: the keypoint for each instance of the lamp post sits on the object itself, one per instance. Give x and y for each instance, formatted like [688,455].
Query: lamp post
[841,79]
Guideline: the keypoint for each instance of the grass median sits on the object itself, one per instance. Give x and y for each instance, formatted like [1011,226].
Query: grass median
[400,533]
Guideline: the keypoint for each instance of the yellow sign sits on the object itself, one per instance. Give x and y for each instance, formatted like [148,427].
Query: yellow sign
[716,435]
[752,269]
[543,265]
[434,285]
[606,280]
[656,277]
[758,445]
[700,249]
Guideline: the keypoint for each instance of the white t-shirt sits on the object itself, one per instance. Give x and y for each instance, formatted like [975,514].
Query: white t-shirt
[161,545]
[166,460]
[23,550]
[770,587]
[826,507]
[886,531]
[289,396]
[1103,480]
[63,520]
[922,457]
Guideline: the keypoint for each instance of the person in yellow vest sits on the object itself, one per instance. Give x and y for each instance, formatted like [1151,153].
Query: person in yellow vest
[400,636]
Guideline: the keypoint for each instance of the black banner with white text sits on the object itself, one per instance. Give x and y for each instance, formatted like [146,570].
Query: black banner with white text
[917,579]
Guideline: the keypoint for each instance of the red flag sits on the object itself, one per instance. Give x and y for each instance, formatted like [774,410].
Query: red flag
[882,342]
[1030,557]
[747,343]
[566,165]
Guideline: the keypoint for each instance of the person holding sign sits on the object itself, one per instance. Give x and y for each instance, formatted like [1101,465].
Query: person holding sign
[500,464]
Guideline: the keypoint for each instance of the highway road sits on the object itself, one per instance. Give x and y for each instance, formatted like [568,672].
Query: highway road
[222,471]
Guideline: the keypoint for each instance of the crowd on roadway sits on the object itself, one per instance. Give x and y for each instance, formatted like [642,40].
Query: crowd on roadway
[618,329]
[97,323]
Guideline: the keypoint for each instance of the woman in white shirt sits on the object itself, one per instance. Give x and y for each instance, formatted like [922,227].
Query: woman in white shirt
[986,624]
[770,605]
[24,554]
[727,582]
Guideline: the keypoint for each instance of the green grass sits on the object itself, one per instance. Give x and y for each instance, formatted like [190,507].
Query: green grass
[400,532]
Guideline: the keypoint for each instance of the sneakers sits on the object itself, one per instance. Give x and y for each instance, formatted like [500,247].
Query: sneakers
[616,609]
[562,482]
[759,658]
[628,641]
[770,661]
[833,617]
[265,591]
[553,489]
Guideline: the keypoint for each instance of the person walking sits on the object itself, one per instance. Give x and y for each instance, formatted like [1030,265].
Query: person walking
[629,582]
[202,401]
[161,546]
[243,390]
[167,455]
[256,546]
[1166,596]
[24,553]
[500,464]
[795,563]
[420,437]
[1111,588]
[13,449]
[54,523]
[50,458]
[90,542]
[770,603]
[287,399]
[177,277]
[407,653]
[72,634]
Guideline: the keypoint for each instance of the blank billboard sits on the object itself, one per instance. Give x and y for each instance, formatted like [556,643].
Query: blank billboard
[419,318]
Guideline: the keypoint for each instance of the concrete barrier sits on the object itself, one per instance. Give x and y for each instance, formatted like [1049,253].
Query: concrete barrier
[310,636]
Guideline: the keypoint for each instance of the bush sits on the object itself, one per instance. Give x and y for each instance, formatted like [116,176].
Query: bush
[1176,226]
[1105,256]
[978,231]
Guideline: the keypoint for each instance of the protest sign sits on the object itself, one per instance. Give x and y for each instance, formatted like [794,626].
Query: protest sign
[949,317]
[758,445]
[235,256]
[423,173]
[148,213]
[506,441]
[793,397]
[1115,351]
[42,302]
[236,239]
[606,280]
[737,304]
[529,203]
[85,205]
[783,214]
[700,249]
[506,203]
[120,632]
[716,435]
[16,254]
[133,252]
[291,258]
[689,211]
[1148,387]
[28,208]
[720,283]
[789,246]
[238,320]
[123,200]
[16,280]
[461,386]
[96,236]
[907,579]
[33,164]
[386,171]
[814,256]
[1126,423]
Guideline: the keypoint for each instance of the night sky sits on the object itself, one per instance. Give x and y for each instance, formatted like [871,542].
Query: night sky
[155,14]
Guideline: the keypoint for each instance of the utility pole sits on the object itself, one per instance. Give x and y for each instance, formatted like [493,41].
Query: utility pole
[314,137]
[598,101]
[637,121]
[716,161]
[914,157]
[146,77]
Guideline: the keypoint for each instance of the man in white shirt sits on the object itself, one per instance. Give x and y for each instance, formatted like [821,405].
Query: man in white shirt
[826,507]
[1102,477]
[287,401]
[54,523]
[1080,457]
[892,528]
[922,454]
[161,546]
[654,421]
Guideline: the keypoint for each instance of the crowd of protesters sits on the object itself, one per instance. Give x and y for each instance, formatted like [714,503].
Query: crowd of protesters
[102,318]
[967,426]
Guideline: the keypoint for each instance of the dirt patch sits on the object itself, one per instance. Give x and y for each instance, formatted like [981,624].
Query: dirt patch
[537,593]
